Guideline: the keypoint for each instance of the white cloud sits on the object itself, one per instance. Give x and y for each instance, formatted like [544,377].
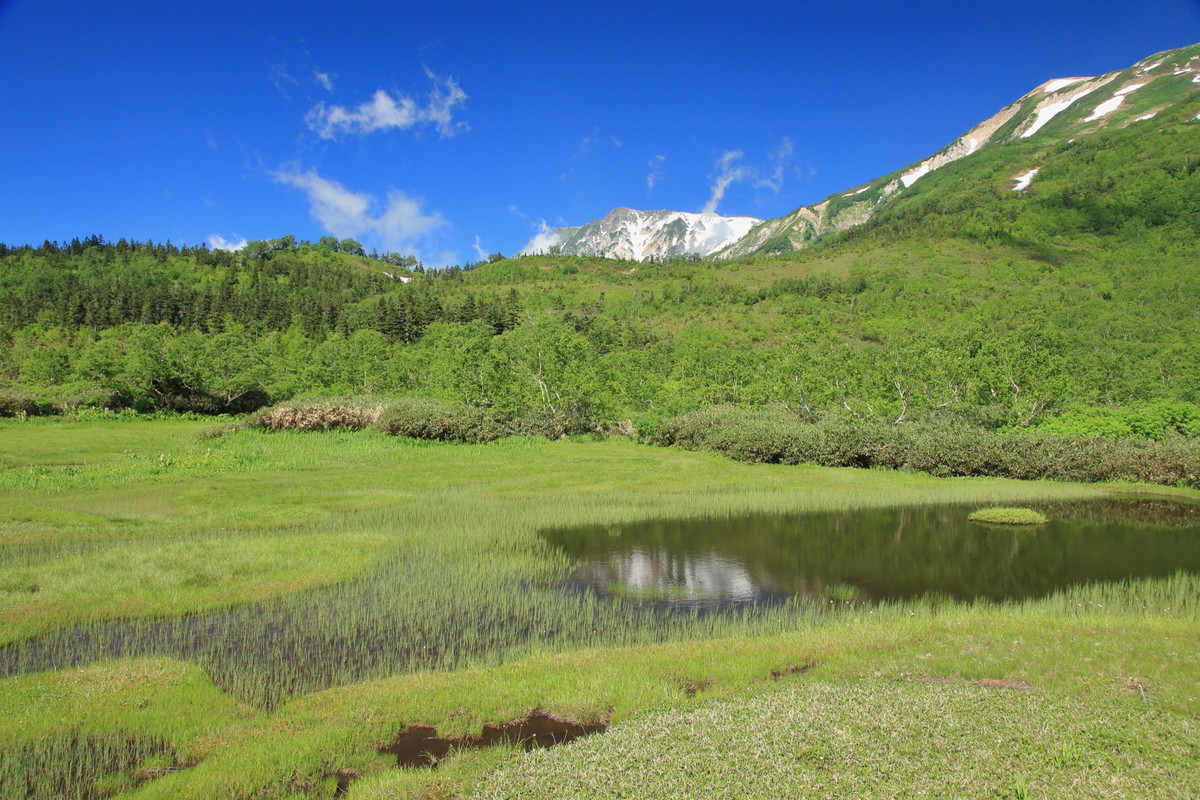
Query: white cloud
[384,111]
[778,159]
[480,253]
[443,98]
[728,174]
[543,240]
[323,80]
[395,224]
[218,242]
[655,171]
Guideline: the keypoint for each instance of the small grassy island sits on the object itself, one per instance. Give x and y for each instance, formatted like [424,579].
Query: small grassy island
[1008,516]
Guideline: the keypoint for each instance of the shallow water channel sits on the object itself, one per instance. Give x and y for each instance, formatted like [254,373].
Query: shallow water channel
[884,554]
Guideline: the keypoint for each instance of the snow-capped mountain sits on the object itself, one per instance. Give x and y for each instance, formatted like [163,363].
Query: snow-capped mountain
[1165,86]
[647,235]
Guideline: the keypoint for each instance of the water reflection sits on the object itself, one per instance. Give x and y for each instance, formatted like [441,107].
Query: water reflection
[884,554]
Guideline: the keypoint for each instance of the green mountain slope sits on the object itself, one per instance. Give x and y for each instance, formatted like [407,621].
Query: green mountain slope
[1159,93]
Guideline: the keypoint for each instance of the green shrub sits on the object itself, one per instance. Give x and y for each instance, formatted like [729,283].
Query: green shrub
[422,418]
[16,403]
[946,448]
[1145,420]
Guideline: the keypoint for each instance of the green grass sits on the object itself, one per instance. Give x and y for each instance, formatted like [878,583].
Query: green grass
[875,738]
[1087,664]
[1008,516]
[53,443]
[319,592]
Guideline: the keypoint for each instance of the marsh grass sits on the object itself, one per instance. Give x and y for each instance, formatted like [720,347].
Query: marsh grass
[227,553]
[1083,662]
[476,586]
[93,731]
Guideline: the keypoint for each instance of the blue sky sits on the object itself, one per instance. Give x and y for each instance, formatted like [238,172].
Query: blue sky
[455,130]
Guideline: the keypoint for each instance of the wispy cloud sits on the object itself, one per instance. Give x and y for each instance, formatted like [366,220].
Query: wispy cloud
[728,170]
[728,173]
[385,111]
[323,80]
[656,173]
[589,142]
[397,223]
[779,158]
[218,242]
[480,253]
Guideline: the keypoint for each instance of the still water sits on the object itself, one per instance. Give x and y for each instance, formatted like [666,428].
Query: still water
[883,554]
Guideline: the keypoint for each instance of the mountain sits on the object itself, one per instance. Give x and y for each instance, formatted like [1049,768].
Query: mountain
[648,235]
[1163,88]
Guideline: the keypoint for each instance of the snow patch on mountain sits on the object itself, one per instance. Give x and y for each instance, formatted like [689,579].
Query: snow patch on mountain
[912,176]
[1104,109]
[1048,111]
[1060,83]
[1024,180]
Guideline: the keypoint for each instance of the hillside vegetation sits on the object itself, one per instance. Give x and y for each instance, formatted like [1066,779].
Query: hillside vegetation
[1068,304]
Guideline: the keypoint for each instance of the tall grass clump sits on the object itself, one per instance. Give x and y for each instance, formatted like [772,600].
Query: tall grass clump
[73,765]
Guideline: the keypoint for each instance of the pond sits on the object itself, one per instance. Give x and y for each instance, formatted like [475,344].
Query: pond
[882,554]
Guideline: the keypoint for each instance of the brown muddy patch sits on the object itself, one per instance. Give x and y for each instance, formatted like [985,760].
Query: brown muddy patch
[420,746]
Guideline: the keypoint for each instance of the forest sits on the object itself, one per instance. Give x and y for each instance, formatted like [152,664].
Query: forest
[1068,307]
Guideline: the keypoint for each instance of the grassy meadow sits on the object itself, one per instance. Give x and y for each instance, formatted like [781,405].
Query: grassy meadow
[261,614]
